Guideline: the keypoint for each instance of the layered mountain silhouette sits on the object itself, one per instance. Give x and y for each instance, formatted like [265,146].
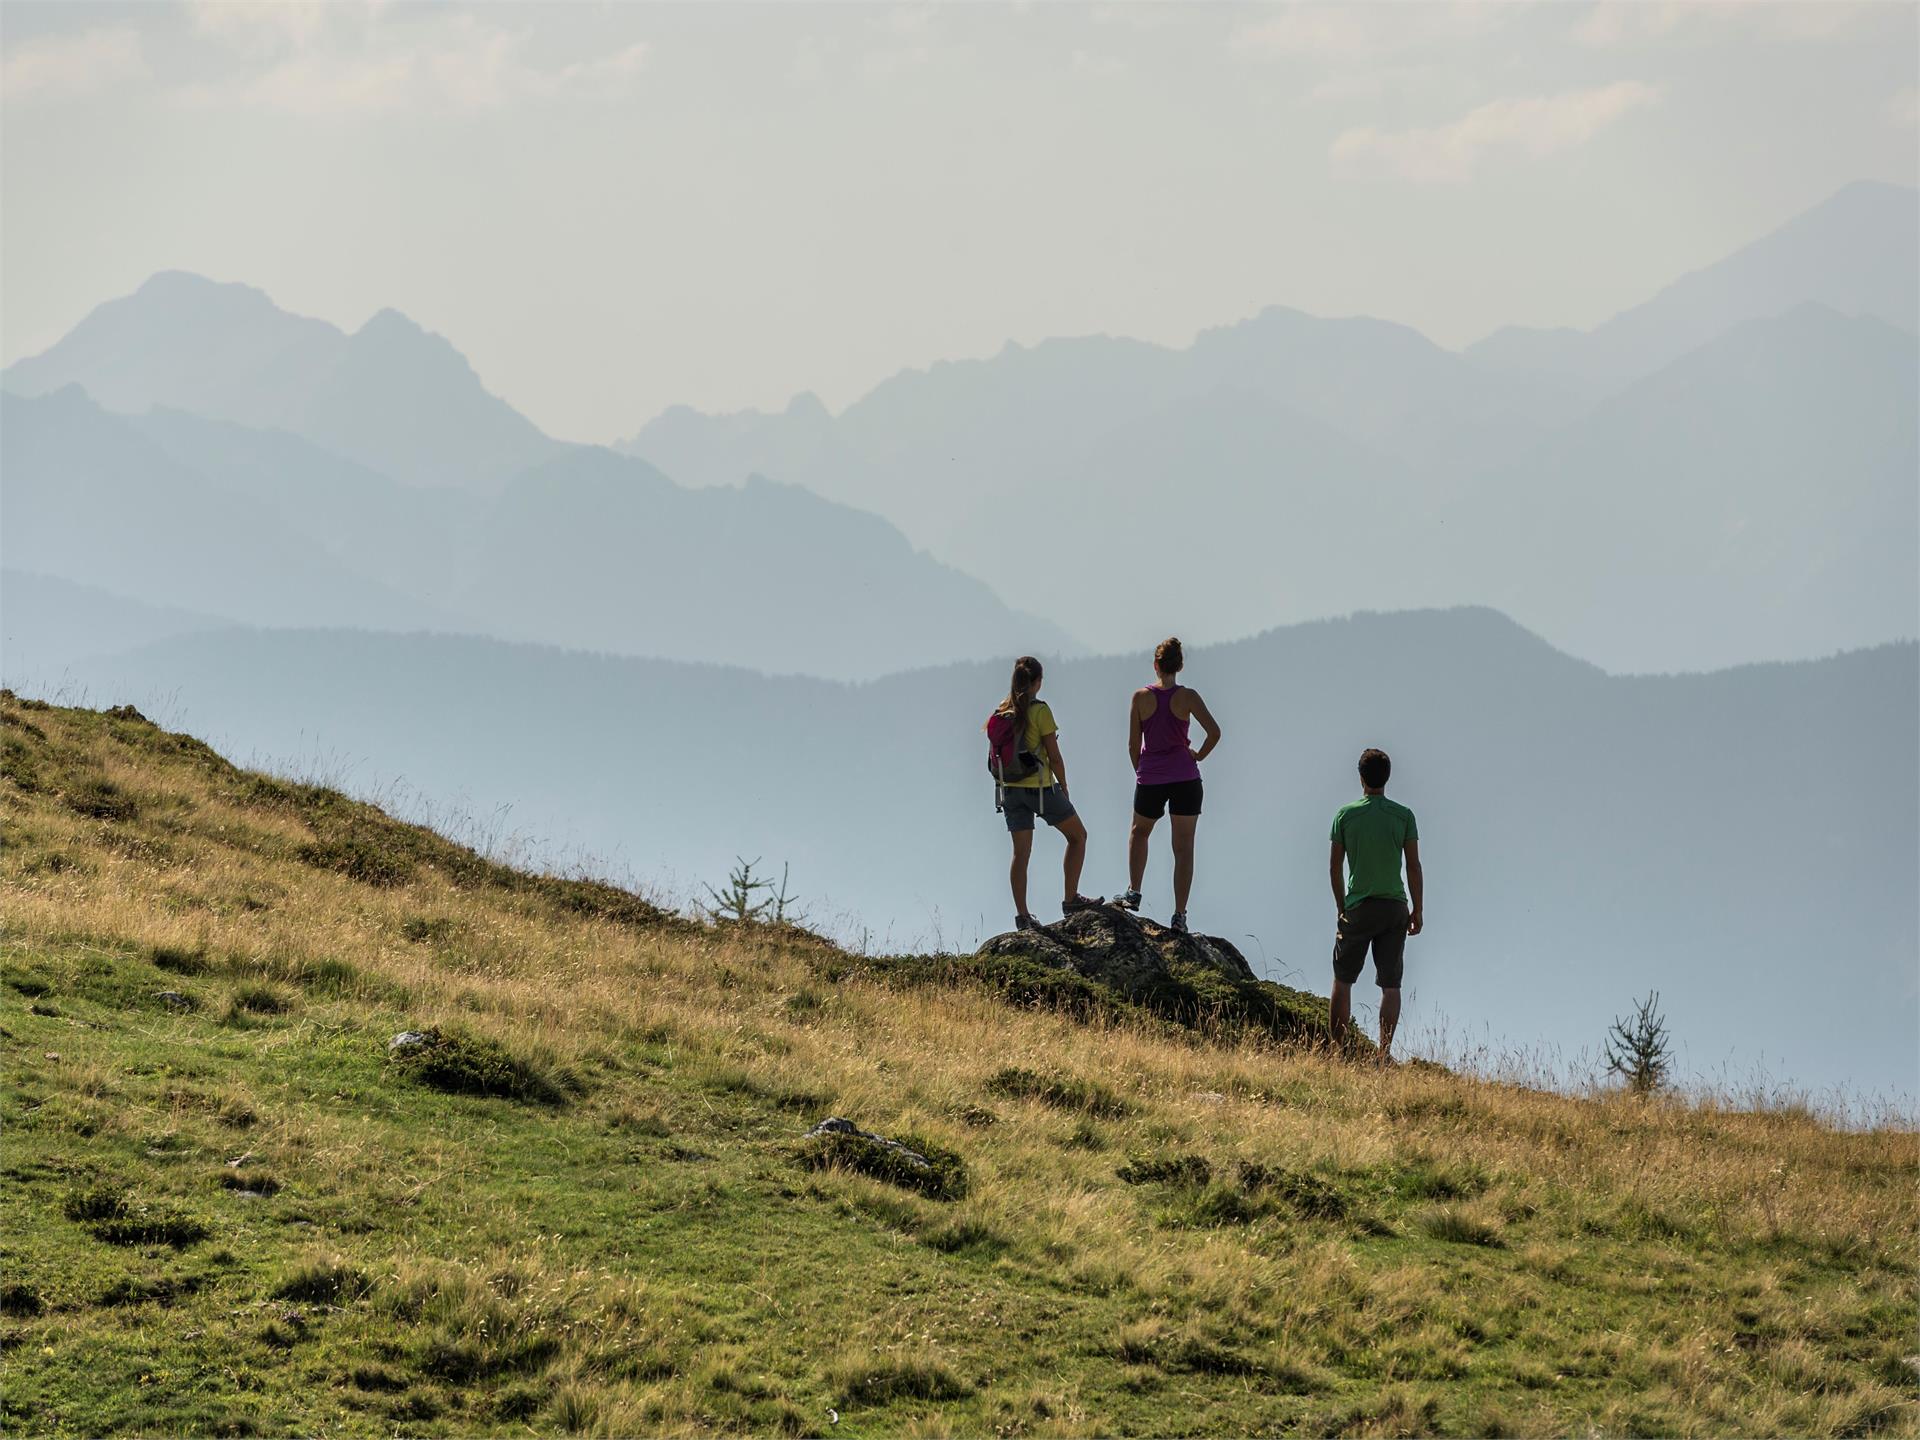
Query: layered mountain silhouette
[1757,498]
[588,550]
[1853,254]
[48,624]
[391,395]
[1290,467]
[1739,841]
[89,497]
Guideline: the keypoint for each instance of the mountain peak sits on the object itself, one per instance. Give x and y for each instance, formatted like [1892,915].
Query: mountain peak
[187,282]
[387,319]
[1874,192]
[174,297]
[388,326]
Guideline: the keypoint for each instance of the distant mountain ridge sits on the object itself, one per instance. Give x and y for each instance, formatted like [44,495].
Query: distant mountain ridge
[390,395]
[90,498]
[589,550]
[1239,482]
[1855,253]
[1117,488]
[1756,499]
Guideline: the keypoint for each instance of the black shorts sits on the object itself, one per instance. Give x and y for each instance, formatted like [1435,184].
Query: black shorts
[1380,923]
[1182,797]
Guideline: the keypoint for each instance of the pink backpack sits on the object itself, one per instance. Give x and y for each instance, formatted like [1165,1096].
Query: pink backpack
[1006,761]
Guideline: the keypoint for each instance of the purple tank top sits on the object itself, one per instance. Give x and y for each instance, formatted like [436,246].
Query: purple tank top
[1165,756]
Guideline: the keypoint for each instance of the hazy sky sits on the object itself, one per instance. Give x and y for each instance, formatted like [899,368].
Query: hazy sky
[613,207]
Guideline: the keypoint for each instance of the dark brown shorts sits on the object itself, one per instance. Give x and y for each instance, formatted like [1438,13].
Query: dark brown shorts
[1381,924]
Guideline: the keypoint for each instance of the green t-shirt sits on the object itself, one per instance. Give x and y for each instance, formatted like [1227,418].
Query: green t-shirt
[1373,830]
[1039,726]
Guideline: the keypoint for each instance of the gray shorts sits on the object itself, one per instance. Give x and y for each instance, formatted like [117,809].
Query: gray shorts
[1378,923]
[1024,802]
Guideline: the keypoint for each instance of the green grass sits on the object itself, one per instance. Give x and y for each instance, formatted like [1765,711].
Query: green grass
[588,1204]
[1063,1092]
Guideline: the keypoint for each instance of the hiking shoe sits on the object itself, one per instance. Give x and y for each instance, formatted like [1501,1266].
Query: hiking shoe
[1128,900]
[1080,902]
[1025,922]
[1179,923]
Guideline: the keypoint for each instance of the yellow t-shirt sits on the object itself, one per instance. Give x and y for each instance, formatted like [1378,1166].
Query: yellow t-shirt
[1039,726]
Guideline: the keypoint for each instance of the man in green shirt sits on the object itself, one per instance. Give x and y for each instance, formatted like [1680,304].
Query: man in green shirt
[1370,835]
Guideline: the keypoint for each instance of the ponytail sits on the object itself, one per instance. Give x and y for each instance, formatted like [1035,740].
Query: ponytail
[1027,673]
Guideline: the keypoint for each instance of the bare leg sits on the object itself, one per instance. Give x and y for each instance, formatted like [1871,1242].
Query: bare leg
[1075,834]
[1342,1005]
[1137,849]
[1022,848]
[1389,1020]
[1183,827]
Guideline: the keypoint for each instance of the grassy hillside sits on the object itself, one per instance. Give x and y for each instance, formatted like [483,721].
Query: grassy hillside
[584,1204]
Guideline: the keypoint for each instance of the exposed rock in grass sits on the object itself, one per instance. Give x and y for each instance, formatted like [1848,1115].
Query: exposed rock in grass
[1128,952]
[909,1162]
[463,1064]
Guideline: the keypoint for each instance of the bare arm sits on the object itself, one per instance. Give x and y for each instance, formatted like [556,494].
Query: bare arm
[1133,731]
[1053,759]
[1335,867]
[1207,723]
[1416,884]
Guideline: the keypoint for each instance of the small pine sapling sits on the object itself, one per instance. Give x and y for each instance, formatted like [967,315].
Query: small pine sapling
[1638,1049]
[749,897]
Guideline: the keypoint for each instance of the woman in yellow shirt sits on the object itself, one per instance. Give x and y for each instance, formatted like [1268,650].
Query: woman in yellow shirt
[1041,795]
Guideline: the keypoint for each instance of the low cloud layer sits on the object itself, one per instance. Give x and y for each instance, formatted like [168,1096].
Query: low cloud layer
[461,63]
[1532,126]
[71,67]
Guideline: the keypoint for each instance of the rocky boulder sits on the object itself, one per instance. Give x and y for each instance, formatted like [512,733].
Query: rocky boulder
[836,1143]
[1194,979]
[1126,951]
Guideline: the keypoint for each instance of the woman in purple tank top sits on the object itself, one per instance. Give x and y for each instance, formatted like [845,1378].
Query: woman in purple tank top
[1166,771]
